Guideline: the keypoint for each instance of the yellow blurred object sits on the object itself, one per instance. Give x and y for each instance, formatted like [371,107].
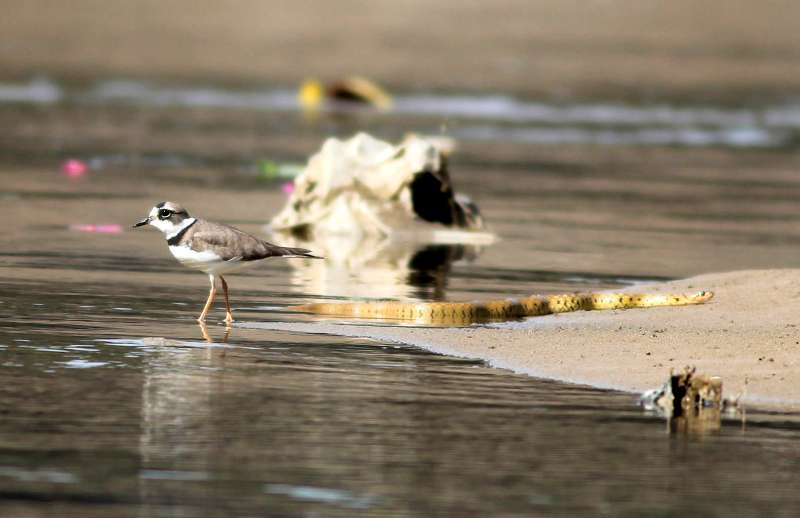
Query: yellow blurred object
[350,89]
[310,94]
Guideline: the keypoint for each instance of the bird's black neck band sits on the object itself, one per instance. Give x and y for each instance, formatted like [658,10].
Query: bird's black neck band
[174,240]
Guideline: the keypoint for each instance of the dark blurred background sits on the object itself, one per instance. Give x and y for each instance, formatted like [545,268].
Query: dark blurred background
[725,50]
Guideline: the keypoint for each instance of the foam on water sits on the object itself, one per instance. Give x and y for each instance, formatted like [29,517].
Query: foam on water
[319,494]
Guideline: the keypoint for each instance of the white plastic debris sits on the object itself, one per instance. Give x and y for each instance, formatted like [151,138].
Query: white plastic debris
[367,187]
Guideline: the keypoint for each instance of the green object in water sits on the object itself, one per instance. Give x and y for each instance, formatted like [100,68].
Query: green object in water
[271,170]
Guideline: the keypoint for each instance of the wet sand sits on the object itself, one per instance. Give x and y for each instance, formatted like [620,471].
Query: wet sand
[749,331]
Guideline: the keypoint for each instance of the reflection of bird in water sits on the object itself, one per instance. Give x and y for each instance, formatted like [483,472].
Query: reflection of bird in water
[212,248]
[207,337]
[179,418]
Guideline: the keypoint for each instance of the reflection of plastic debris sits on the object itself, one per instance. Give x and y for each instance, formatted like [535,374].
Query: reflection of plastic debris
[350,89]
[378,266]
[270,170]
[105,228]
[364,186]
[74,168]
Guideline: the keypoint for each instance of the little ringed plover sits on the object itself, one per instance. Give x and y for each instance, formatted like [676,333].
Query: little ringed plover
[212,248]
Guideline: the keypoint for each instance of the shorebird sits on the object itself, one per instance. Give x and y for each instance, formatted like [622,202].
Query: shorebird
[212,248]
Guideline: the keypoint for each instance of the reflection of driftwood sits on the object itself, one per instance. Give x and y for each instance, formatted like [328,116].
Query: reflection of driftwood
[364,186]
[697,402]
[692,402]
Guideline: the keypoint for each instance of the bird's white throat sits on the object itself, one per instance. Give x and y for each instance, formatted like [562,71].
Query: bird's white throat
[169,228]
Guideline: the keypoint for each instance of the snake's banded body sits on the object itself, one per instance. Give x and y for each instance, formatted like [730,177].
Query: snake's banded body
[462,313]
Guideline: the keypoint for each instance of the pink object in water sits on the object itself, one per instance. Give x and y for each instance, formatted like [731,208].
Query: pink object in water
[288,188]
[74,168]
[103,228]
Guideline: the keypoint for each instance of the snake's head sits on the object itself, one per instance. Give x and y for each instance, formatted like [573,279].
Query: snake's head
[700,297]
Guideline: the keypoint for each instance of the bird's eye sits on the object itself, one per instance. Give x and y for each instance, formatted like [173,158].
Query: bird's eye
[164,213]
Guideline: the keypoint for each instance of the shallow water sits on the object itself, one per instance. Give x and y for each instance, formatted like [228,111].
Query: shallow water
[482,118]
[114,402]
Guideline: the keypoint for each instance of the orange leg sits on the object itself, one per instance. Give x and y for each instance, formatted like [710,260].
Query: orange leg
[211,295]
[229,313]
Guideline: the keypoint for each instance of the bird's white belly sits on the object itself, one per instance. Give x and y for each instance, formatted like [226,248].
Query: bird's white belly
[206,261]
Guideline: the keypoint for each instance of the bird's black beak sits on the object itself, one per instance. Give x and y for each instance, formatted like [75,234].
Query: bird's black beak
[145,221]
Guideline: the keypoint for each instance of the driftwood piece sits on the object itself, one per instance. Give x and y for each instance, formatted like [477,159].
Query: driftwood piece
[692,402]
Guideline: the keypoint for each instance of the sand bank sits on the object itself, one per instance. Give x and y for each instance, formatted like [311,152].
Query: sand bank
[750,330]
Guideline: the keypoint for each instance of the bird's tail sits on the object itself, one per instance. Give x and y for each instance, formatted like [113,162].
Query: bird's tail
[297,252]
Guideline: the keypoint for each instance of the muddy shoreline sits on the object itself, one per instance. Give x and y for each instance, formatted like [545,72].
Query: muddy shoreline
[749,331]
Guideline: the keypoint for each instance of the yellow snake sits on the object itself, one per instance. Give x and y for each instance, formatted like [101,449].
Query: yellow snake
[462,313]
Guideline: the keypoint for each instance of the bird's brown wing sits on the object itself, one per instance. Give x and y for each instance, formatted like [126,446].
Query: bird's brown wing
[232,244]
